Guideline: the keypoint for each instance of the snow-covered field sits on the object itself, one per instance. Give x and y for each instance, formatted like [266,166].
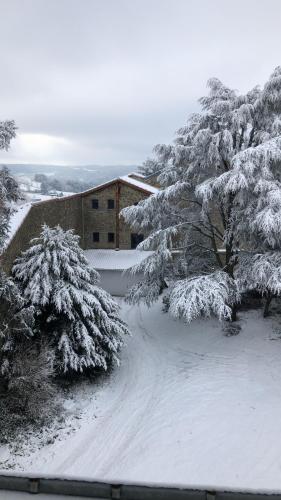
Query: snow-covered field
[188,406]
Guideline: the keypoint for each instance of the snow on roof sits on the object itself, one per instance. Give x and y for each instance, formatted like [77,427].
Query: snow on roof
[115,259]
[21,211]
[16,220]
[136,174]
[125,178]
[139,184]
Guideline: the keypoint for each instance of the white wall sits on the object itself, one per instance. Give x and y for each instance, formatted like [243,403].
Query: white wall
[117,283]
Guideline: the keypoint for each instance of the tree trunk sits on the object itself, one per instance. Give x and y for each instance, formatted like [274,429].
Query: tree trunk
[267,304]
[234,312]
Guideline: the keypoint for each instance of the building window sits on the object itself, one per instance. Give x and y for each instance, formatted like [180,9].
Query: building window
[136,239]
[95,203]
[111,237]
[110,203]
[96,237]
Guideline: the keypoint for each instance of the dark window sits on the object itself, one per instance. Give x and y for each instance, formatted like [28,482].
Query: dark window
[136,239]
[110,203]
[95,203]
[111,237]
[96,237]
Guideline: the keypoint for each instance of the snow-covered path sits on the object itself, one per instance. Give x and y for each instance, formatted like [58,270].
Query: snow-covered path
[188,406]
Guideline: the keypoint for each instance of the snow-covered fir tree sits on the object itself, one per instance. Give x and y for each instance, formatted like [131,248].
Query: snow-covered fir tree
[221,192]
[80,320]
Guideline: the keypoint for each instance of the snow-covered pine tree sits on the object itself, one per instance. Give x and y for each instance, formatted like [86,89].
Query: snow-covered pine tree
[9,190]
[79,319]
[220,191]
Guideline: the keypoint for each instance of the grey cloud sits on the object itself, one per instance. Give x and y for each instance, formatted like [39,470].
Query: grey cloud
[114,77]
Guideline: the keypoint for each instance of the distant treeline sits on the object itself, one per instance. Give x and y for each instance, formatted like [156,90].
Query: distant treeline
[49,184]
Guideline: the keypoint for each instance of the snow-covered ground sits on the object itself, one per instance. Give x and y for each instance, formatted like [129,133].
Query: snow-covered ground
[188,406]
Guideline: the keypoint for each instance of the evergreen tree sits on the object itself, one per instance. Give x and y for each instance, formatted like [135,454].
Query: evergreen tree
[221,192]
[9,194]
[9,190]
[80,320]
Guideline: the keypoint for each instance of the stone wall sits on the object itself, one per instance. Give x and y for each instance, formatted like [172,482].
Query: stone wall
[63,211]
[104,220]
[128,197]
[76,212]
[101,220]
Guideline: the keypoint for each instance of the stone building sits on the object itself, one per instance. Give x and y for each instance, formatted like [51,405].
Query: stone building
[94,215]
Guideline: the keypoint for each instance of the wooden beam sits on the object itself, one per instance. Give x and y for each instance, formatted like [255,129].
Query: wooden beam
[117,223]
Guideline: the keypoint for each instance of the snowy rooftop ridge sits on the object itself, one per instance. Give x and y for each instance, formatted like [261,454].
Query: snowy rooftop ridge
[140,184]
[16,221]
[118,260]
[21,212]
[137,174]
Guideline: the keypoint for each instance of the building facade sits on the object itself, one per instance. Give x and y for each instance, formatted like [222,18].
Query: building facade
[94,215]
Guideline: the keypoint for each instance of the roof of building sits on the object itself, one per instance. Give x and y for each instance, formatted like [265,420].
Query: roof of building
[21,212]
[125,179]
[156,173]
[137,174]
[139,184]
[118,260]
[16,221]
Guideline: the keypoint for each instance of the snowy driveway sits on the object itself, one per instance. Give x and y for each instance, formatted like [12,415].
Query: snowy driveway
[188,406]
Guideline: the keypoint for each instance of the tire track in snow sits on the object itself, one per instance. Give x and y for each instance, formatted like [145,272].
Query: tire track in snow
[133,404]
[145,407]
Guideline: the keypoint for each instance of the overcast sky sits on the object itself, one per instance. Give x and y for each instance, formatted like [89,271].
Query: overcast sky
[102,81]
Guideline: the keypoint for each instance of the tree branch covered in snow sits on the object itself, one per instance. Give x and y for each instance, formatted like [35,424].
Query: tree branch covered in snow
[213,294]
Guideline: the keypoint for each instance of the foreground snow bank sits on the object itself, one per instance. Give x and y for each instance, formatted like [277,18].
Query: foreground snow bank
[188,406]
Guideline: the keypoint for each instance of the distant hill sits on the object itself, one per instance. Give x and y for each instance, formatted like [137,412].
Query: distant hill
[93,174]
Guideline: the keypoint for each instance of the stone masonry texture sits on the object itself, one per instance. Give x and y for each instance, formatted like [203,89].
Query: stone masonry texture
[76,212]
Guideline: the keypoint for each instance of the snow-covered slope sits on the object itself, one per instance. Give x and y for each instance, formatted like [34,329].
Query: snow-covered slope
[188,406]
